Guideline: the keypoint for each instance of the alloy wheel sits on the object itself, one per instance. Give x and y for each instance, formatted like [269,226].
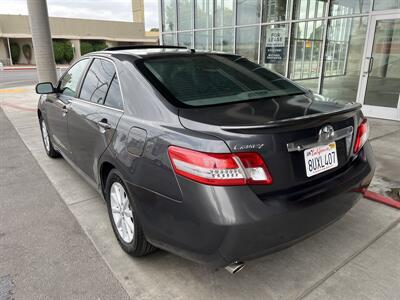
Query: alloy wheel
[122,212]
[46,138]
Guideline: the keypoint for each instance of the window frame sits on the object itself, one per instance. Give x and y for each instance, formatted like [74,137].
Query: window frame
[78,90]
[92,58]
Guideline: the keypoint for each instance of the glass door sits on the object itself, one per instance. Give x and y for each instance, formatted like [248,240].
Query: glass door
[380,79]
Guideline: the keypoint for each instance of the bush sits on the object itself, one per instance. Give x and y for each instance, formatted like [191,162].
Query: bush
[86,47]
[99,45]
[27,51]
[58,49]
[15,52]
[68,52]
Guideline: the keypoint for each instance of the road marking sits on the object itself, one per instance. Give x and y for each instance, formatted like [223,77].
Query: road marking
[9,91]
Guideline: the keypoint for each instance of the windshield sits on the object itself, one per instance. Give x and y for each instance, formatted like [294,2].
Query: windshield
[211,79]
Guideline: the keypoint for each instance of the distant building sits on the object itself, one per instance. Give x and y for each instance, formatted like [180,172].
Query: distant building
[343,49]
[14,29]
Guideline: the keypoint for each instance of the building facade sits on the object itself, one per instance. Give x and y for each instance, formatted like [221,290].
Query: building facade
[15,29]
[343,49]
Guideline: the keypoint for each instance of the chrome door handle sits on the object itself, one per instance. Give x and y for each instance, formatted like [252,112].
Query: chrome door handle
[104,124]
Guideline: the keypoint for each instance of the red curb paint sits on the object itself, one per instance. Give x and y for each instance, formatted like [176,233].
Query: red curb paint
[381,199]
[18,107]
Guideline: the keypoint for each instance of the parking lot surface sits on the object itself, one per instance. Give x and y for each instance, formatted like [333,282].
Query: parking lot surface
[355,258]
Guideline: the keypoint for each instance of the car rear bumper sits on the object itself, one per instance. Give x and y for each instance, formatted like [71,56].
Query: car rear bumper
[220,225]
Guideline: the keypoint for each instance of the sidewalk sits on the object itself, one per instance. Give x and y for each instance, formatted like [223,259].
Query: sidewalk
[355,258]
[44,252]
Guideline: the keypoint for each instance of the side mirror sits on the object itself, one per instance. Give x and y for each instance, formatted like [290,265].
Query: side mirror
[45,88]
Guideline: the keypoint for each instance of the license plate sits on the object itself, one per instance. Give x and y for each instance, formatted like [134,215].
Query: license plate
[320,159]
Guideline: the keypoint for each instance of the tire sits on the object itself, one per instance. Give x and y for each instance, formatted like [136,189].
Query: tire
[48,145]
[132,241]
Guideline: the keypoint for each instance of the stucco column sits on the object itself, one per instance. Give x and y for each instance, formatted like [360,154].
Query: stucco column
[138,11]
[41,38]
[77,48]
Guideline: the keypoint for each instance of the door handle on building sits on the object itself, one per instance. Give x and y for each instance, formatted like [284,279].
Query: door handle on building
[371,64]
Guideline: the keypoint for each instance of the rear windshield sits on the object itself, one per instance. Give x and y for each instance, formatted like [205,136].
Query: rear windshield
[210,79]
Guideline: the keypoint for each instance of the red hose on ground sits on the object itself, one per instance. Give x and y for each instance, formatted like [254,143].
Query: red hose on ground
[381,199]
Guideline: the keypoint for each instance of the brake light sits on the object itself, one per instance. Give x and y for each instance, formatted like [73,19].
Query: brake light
[219,168]
[362,135]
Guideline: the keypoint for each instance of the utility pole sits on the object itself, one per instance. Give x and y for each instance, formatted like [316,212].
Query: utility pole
[41,39]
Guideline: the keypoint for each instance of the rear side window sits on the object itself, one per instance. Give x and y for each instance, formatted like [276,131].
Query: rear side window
[97,81]
[114,97]
[209,79]
[70,81]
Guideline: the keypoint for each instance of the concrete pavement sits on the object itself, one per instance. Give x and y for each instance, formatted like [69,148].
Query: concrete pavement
[355,258]
[44,253]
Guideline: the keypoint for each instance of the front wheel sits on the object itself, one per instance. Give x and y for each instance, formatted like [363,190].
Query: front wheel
[124,219]
[48,145]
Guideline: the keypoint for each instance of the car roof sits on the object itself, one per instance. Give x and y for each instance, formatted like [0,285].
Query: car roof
[144,51]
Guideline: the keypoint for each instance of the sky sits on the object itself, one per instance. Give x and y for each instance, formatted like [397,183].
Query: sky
[114,10]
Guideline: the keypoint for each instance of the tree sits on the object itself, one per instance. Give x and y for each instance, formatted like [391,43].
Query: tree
[27,51]
[68,52]
[15,52]
[154,30]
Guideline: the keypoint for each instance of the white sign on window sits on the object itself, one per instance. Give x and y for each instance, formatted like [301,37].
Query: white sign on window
[276,37]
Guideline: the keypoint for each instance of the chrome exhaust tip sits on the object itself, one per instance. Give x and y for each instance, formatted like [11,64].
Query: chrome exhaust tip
[235,267]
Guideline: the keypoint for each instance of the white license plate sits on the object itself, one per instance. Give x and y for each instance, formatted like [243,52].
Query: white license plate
[320,159]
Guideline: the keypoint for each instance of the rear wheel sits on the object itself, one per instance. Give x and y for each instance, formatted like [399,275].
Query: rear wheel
[123,217]
[48,145]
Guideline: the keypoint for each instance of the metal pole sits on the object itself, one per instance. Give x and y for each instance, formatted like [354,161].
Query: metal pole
[41,39]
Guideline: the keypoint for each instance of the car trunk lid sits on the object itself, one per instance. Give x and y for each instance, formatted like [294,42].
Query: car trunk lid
[270,127]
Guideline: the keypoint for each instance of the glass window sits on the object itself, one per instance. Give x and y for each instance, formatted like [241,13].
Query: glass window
[223,13]
[185,39]
[202,40]
[349,7]
[247,42]
[203,14]
[97,81]
[223,40]
[277,10]
[305,53]
[169,15]
[114,97]
[383,86]
[274,47]
[308,9]
[70,81]
[248,12]
[169,39]
[200,80]
[185,14]
[386,4]
[342,66]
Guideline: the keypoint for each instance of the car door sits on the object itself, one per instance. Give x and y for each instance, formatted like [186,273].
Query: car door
[94,116]
[57,105]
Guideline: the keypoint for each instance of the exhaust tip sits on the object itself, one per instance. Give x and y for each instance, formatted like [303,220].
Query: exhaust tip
[235,267]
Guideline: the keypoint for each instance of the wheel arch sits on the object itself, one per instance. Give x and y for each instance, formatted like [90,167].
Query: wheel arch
[105,169]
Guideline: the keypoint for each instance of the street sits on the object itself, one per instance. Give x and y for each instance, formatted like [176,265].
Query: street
[15,77]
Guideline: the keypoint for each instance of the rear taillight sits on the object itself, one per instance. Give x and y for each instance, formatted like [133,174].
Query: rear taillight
[219,168]
[362,135]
